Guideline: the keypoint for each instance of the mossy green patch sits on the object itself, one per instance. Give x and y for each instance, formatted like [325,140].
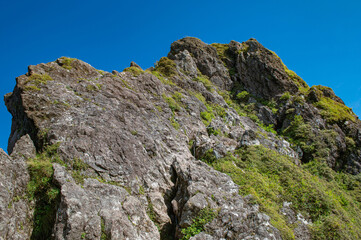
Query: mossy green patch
[36,80]
[221,49]
[205,80]
[334,111]
[173,105]
[135,71]
[42,189]
[273,178]
[166,67]
[205,216]
[67,62]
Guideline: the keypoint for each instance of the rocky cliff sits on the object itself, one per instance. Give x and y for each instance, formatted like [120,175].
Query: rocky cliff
[217,141]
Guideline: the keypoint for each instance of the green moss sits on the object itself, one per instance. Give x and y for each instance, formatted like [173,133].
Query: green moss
[301,84]
[173,105]
[104,235]
[163,79]
[221,49]
[334,111]
[36,80]
[205,216]
[42,189]
[205,80]
[91,87]
[134,70]
[174,123]
[243,96]
[212,131]
[77,169]
[273,178]
[207,117]
[67,62]
[166,67]
[31,88]
[285,96]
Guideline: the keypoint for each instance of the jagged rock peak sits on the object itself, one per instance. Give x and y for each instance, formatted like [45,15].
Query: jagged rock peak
[201,146]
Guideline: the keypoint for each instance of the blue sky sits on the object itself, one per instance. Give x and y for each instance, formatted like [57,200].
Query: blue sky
[319,40]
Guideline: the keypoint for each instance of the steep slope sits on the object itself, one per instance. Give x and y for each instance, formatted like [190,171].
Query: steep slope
[199,147]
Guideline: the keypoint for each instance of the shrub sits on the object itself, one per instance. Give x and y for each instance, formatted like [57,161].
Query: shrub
[166,66]
[334,111]
[205,80]
[286,96]
[134,70]
[67,62]
[41,189]
[243,96]
[205,216]
[207,117]
[314,191]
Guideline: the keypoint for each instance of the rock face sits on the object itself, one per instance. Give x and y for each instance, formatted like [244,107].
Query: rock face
[127,149]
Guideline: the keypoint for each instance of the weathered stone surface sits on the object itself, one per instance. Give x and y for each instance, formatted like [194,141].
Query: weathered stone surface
[138,135]
[16,212]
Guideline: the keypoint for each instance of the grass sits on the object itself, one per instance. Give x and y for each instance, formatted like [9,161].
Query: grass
[36,80]
[174,123]
[42,190]
[221,49]
[166,67]
[135,71]
[205,80]
[173,105]
[273,178]
[334,111]
[67,62]
[204,216]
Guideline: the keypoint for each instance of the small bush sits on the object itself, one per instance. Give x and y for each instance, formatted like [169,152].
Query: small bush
[205,80]
[205,216]
[207,117]
[243,96]
[166,66]
[286,96]
[67,62]
[134,70]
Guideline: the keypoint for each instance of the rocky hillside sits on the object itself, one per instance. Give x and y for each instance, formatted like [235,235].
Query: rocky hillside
[217,141]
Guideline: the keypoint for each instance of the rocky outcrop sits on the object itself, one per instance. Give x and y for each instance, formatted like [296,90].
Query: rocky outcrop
[16,212]
[128,149]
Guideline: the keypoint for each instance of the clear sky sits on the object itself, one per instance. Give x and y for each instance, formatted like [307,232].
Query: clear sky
[319,40]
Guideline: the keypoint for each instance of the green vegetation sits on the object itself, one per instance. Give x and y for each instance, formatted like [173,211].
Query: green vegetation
[273,178]
[301,84]
[42,190]
[77,169]
[174,123]
[286,96]
[91,87]
[173,105]
[31,88]
[134,70]
[334,111]
[36,80]
[66,62]
[166,67]
[104,235]
[204,216]
[221,49]
[207,117]
[205,80]
[243,96]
